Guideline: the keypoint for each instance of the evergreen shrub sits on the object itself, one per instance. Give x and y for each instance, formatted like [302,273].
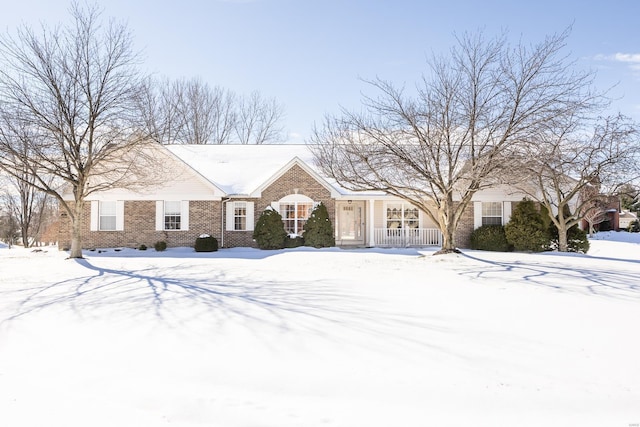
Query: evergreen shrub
[294,242]
[269,232]
[318,231]
[160,245]
[206,243]
[490,238]
[634,227]
[526,230]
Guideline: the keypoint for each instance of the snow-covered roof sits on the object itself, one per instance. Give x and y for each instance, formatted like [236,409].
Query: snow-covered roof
[243,169]
[239,169]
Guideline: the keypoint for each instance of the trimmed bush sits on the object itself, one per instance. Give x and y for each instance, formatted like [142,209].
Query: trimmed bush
[142,247]
[490,238]
[294,242]
[206,243]
[269,232]
[160,245]
[634,227]
[527,231]
[318,231]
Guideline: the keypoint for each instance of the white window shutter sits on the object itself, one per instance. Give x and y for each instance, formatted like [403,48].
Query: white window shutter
[184,215]
[159,215]
[95,215]
[250,217]
[506,212]
[231,206]
[119,215]
[477,214]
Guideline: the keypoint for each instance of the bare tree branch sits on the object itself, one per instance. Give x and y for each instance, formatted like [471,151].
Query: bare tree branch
[461,132]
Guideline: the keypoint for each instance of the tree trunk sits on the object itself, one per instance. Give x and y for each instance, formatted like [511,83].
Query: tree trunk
[76,230]
[563,246]
[446,215]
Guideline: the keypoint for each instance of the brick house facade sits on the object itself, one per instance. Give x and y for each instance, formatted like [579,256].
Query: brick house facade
[222,190]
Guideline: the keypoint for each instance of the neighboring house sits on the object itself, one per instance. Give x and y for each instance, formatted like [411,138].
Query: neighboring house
[222,189]
[626,218]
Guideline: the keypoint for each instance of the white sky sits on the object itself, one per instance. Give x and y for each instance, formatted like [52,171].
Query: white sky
[310,55]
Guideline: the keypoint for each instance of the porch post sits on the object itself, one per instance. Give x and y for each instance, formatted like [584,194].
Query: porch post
[371,224]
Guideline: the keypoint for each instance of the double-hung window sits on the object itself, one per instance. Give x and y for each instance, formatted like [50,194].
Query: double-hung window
[172,215]
[491,213]
[107,216]
[240,216]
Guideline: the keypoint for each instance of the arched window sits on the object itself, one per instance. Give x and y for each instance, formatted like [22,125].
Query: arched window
[295,210]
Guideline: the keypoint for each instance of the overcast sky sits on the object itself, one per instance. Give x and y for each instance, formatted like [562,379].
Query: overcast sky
[311,55]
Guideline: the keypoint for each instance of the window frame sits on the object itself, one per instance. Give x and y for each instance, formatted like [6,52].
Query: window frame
[172,215]
[489,215]
[113,213]
[402,217]
[162,213]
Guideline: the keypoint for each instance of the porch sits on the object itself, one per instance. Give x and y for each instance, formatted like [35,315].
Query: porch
[403,237]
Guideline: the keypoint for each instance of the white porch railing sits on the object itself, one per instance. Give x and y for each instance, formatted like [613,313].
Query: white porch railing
[402,237]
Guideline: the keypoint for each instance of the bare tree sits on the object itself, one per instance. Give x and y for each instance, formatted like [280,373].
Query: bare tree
[436,150]
[258,120]
[159,105]
[575,163]
[207,114]
[192,112]
[68,94]
[27,205]
[8,227]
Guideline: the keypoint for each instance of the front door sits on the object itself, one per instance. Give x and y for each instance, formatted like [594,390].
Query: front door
[351,223]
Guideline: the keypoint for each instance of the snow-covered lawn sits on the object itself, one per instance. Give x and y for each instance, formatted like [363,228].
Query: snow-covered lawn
[309,337]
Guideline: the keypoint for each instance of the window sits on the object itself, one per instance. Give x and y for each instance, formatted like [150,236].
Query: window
[295,215]
[240,216]
[491,213]
[107,216]
[172,215]
[400,215]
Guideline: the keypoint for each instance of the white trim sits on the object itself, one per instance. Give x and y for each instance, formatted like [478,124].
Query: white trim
[230,216]
[371,222]
[477,215]
[296,198]
[506,212]
[159,215]
[95,215]
[184,215]
[119,215]
[250,216]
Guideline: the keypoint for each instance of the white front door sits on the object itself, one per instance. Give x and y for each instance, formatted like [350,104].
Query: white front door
[351,223]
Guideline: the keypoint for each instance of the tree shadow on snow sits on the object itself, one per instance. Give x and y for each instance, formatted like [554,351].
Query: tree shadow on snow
[611,280]
[180,296]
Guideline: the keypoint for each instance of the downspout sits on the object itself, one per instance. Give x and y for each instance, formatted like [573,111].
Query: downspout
[222,214]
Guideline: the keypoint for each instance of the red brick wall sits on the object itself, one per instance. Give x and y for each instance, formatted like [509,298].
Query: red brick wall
[294,178]
[139,227]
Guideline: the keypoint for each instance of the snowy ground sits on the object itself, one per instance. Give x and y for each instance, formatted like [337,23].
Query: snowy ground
[310,337]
